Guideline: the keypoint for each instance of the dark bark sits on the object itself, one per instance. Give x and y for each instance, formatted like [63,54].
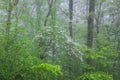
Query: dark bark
[70,17]
[90,30]
[90,23]
[50,3]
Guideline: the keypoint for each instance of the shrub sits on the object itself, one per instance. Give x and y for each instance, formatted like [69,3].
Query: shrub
[39,72]
[95,76]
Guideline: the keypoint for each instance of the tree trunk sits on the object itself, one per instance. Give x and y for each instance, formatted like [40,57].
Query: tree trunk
[90,23]
[70,17]
[8,24]
[38,10]
[50,4]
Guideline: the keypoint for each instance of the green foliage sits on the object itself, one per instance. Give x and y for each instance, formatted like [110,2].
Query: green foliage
[39,72]
[95,76]
[17,56]
[80,32]
[53,39]
[31,45]
[101,60]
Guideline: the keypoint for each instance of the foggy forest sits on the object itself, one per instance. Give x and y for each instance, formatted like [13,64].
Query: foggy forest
[59,39]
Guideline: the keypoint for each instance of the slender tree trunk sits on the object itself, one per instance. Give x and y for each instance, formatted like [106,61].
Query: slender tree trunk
[53,23]
[50,3]
[98,19]
[8,24]
[38,10]
[53,13]
[17,22]
[90,23]
[71,36]
[70,17]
